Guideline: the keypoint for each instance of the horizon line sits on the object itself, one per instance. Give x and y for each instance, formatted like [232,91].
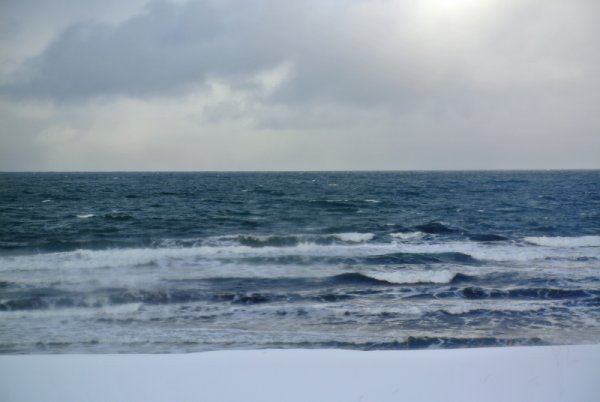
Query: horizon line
[311,171]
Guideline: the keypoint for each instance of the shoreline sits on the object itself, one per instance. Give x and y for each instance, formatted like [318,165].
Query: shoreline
[521,373]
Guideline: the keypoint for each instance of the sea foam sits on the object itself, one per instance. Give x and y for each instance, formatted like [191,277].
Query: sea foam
[407,235]
[354,237]
[410,277]
[562,241]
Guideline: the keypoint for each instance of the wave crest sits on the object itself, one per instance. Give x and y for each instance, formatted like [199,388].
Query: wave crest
[403,277]
[354,237]
[560,241]
[407,235]
[414,277]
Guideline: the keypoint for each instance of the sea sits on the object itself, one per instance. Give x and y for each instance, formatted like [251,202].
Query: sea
[186,262]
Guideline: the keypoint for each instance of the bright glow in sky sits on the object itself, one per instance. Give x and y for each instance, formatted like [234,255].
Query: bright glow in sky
[455,9]
[302,85]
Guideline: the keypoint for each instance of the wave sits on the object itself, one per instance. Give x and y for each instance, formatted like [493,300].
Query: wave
[419,277]
[247,298]
[263,251]
[252,240]
[342,248]
[12,245]
[310,283]
[263,241]
[85,216]
[55,299]
[501,251]
[487,237]
[43,299]
[477,293]
[354,237]
[435,228]
[407,235]
[162,346]
[560,241]
[421,258]
[417,342]
[484,307]
[398,278]
[100,312]
[218,289]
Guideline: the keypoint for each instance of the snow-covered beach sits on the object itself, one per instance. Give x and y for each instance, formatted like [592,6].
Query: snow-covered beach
[548,373]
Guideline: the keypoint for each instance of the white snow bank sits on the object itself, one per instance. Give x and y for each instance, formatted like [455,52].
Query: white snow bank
[554,373]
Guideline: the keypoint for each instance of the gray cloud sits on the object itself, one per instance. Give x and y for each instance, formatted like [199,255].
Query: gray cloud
[405,84]
[336,54]
[169,47]
[163,49]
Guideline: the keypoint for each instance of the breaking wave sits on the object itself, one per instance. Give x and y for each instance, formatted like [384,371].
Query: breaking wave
[419,277]
[560,241]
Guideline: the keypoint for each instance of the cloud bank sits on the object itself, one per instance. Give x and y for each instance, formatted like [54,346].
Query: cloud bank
[259,85]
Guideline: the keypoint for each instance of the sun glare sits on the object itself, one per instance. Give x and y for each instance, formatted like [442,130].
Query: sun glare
[457,3]
[455,8]
[436,16]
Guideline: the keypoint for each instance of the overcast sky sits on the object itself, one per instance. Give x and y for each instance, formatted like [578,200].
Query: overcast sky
[299,85]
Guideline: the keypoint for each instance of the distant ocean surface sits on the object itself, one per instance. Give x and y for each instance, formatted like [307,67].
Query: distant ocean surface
[182,262]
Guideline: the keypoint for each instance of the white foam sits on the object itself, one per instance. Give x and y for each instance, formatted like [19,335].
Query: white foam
[372,201]
[85,216]
[407,235]
[234,239]
[463,307]
[305,239]
[354,237]
[168,256]
[559,241]
[413,276]
[451,306]
[47,201]
[104,311]
[500,252]
[356,246]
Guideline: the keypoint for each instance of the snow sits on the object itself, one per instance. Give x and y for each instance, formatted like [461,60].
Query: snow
[548,373]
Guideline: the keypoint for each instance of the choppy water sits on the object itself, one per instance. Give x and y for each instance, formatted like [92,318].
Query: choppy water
[171,262]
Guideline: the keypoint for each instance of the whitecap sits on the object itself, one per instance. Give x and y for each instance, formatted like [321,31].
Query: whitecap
[180,255]
[354,237]
[103,311]
[407,235]
[85,216]
[409,276]
[492,305]
[166,256]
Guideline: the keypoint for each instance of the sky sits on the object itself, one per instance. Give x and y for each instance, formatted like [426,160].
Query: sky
[299,85]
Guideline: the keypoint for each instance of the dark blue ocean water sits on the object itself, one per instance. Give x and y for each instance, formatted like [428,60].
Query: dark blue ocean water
[172,262]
